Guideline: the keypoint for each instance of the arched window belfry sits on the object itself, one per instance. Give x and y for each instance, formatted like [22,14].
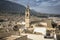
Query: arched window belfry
[27,14]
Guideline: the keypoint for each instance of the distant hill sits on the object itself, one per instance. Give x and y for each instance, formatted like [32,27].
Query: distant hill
[7,6]
[13,8]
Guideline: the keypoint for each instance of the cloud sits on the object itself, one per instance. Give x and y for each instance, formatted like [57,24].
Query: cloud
[47,6]
[38,2]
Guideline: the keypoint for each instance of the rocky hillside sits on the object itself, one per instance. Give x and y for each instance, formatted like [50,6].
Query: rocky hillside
[7,6]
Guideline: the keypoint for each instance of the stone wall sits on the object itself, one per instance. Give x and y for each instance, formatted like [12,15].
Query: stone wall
[22,38]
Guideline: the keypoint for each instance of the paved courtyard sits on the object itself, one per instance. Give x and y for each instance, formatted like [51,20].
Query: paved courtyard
[36,37]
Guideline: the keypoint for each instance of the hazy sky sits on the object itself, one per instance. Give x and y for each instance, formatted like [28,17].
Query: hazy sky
[44,6]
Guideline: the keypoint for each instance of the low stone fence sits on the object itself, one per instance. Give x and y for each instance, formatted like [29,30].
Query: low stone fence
[15,37]
[22,38]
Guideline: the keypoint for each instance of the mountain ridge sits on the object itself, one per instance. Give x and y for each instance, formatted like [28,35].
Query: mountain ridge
[9,7]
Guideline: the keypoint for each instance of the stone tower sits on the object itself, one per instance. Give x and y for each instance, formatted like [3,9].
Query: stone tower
[27,17]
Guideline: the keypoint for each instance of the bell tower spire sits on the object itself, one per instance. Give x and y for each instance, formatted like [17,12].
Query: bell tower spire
[27,16]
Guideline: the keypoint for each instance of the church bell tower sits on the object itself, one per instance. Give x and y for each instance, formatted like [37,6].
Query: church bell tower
[27,17]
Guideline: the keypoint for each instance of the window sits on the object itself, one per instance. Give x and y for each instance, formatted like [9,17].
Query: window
[27,14]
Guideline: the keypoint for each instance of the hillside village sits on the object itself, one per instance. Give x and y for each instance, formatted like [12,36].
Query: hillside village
[33,25]
[29,26]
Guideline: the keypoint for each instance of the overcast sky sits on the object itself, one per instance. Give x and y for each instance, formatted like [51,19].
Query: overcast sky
[43,6]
